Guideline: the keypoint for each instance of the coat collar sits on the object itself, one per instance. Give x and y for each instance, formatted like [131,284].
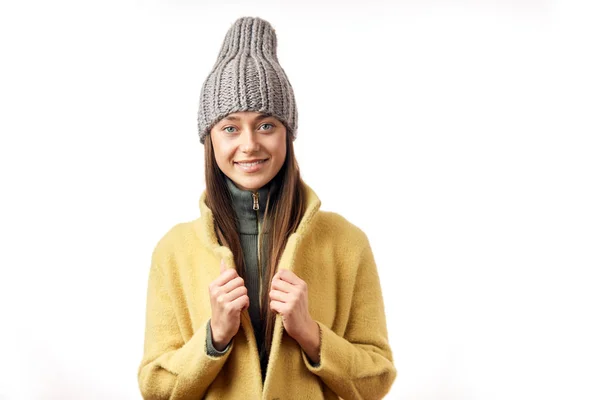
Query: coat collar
[205,228]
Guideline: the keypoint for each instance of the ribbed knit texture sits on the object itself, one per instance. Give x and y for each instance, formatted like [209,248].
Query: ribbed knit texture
[248,221]
[247,76]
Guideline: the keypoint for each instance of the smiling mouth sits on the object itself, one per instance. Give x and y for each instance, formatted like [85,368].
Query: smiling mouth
[249,164]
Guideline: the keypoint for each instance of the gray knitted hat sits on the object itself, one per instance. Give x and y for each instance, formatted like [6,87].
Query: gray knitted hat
[247,77]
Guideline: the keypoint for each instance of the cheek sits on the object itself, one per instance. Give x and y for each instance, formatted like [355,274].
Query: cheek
[279,150]
[282,153]
[223,153]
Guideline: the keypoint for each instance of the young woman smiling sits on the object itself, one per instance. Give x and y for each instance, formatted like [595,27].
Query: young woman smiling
[265,295]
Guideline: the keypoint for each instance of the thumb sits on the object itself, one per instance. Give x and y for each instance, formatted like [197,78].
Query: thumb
[223,267]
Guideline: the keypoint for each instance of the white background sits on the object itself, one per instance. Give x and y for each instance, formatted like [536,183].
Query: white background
[461,136]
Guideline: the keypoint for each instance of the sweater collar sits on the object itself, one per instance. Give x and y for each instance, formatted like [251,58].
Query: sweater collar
[244,202]
[205,225]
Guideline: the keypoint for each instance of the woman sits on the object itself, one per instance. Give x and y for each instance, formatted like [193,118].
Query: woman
[264,296]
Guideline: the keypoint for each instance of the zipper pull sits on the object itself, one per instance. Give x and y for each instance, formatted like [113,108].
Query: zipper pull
[255,197]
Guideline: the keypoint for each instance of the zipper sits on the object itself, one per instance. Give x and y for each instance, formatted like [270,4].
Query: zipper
[260,276]
[255,205]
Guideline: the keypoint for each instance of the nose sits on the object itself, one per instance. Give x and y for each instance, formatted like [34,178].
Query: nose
[249,141]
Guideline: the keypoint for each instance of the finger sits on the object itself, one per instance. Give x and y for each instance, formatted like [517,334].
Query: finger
[276,306]
[234,294]
[232,284]
[279,296]
[240,303]
[225,277]
[283,286]
[289,276]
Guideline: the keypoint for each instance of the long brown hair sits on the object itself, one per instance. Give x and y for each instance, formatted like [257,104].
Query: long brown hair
[287,201]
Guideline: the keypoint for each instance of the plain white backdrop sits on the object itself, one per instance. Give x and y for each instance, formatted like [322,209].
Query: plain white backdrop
[461,136]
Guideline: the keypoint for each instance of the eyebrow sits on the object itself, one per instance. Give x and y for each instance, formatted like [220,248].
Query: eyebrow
[258,118]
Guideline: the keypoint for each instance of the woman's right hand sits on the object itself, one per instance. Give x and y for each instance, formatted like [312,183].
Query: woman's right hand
[228,298]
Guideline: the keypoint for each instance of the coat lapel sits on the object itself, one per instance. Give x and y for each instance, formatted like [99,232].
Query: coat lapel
[206,231]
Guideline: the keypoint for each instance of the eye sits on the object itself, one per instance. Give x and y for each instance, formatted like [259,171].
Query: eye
[227,127]
[271,125]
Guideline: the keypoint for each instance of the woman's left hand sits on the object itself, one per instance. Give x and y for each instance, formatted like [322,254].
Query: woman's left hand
[289,298]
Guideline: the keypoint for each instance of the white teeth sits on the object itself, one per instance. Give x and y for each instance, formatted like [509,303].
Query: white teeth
[250,164]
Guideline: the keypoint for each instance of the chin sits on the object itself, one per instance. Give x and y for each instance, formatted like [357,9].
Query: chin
[252,183]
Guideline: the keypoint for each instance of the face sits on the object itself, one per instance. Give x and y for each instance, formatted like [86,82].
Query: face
[242,138]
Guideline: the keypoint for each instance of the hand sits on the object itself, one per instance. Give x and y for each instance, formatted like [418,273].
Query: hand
[289,298]
[228,298]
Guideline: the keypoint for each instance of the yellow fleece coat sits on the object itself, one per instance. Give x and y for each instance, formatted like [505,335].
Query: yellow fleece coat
[331,255]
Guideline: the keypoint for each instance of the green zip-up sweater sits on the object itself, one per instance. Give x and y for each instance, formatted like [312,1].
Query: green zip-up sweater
[249,223]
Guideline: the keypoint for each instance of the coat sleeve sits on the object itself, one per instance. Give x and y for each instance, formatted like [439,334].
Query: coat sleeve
[358,365]
[172,368]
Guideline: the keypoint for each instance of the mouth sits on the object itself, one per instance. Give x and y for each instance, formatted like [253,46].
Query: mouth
[252,162]
[254,166]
